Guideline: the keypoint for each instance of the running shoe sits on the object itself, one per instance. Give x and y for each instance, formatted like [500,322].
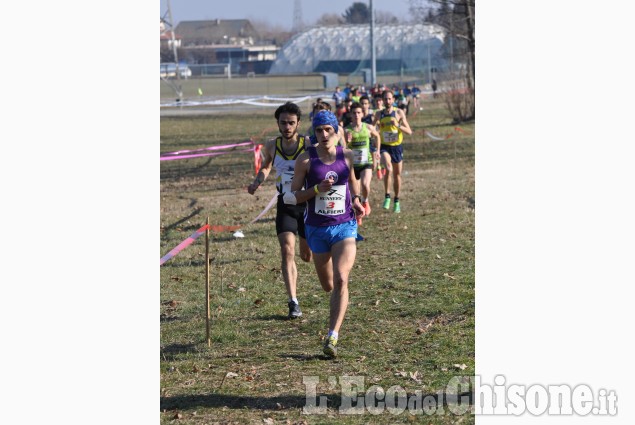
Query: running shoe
[397,208]
[330,346]
[386,203]
[359,220]
[366,206]
[294,310]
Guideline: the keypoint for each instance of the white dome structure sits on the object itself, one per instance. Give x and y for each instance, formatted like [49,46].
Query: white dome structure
[346,49]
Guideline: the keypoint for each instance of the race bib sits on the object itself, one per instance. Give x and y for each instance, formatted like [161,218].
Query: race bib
[332,202]
[391,136]
[284,181]
[360,156]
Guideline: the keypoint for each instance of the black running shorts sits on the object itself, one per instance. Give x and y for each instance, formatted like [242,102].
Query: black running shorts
[290,218]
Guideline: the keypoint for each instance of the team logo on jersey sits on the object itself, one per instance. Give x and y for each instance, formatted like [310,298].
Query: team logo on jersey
[332,175]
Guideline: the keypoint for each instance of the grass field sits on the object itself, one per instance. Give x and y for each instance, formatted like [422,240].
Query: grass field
[264,85]
[410,321]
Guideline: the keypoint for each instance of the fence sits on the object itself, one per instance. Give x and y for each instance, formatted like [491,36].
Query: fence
[197,87]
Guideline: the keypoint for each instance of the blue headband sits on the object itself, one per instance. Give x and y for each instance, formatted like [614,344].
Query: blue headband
[325,118]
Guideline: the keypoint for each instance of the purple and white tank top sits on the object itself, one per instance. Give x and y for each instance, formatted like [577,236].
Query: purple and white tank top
[334,206]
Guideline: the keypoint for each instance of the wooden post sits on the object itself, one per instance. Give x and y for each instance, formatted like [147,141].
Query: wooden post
[454,147]
[207,312]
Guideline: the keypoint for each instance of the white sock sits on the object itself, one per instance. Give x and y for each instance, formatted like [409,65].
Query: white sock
[333,333]
[295,300]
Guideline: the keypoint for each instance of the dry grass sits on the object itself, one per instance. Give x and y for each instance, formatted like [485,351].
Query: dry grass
[410,320]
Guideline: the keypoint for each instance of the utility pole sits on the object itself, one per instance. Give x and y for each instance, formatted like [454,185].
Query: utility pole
[297,16]
[177,87]
[429,64]
[373,66]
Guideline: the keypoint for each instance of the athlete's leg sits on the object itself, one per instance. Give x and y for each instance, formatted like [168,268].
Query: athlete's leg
[305,251]
[386,162]
[366,176]
[343,253]
[289,270]
[397,167]
[324,268]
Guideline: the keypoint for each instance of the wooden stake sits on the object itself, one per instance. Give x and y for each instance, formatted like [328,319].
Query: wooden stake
[454,146]
[209,341]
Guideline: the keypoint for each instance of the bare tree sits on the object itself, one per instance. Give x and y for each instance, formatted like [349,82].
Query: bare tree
[329,19]
[274,34]
[383,17]
[457,17]
[167,53]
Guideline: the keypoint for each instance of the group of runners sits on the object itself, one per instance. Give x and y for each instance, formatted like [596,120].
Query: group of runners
[323,181]
[404,96]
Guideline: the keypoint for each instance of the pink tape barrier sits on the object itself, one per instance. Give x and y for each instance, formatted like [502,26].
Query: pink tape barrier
[267,208]
[187,242]
[210,148]
[456,129]
[171,158]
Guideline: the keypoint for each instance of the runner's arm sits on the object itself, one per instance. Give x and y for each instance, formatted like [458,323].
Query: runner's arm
[297,195]
[374,134]
[376,118]
[353,185]
[403,124]
[265,169]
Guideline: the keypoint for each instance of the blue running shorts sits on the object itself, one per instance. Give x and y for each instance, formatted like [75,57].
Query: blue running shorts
[395,152]
[322,238]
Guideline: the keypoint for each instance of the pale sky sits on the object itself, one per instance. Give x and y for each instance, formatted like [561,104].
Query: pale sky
[276,12]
